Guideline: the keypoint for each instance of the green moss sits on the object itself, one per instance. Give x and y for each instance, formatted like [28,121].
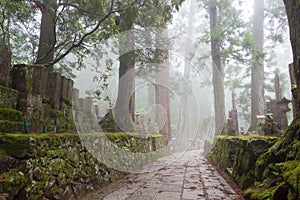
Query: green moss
[14,146]
[245,137]
[11,126]
[291,173]
[261,193]
[54,161]
[10,114]
[12,183]
[24,145]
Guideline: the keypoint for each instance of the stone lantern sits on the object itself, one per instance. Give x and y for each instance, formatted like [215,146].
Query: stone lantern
[284,104]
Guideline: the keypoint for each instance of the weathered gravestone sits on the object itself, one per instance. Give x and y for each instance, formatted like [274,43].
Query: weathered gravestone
[54,89]
[88,105]
[5,65]
[75,99]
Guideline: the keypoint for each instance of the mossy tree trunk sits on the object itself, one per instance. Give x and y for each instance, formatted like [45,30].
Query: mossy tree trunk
[293,13]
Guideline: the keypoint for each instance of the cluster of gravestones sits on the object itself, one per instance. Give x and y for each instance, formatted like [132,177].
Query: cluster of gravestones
[48,101]
[275,118]
[44,97]
[86,113]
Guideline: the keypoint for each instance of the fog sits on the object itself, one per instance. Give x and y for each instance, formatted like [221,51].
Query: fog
[190,75]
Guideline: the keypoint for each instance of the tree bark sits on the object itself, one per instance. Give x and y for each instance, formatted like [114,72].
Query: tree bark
[162,91]
[47,34]
[218,74]
[293,13]
[124,111]
[184,125]
[257,68]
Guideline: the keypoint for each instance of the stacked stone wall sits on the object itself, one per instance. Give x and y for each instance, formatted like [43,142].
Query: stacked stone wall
[59,166]
[237,155]
[45,98]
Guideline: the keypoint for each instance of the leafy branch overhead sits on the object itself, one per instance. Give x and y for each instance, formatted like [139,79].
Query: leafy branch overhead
[57,31]
[68,27]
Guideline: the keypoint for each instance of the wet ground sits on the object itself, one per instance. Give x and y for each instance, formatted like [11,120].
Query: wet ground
[184,176]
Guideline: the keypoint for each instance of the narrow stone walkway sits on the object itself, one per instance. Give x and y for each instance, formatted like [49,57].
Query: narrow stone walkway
[185,176]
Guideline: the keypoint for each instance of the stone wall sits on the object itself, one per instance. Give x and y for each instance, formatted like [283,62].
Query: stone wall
[237,155]
[58,166]
[265,167]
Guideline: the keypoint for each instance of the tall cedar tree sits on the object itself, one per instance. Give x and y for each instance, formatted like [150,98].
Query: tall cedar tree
[257,68]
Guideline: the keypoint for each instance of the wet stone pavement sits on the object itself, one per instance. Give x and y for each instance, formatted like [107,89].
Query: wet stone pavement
[184,176]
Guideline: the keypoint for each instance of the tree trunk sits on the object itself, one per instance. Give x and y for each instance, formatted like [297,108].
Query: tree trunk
[124,111]
[293,13]
[162,92]
[47,35]
[184,125]
[218,74]
[257,69]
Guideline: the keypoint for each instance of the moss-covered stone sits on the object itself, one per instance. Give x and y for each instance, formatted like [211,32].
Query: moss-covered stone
[60,165]
[240,153]
[8,97]
[274,171]
[261,193]
[290,171]
[10,114]
[6,126]
[11,183]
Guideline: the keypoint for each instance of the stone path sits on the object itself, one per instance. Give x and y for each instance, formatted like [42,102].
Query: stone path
[183,176]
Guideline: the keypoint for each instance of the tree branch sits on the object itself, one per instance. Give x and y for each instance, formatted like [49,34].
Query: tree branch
[77,44]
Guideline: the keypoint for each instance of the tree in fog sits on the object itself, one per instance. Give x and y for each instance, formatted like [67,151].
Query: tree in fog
[230,44]
[217,68]
[257,68]
[142,15]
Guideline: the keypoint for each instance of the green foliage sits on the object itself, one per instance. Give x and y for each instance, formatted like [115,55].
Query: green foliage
[17,21]
[277,23]
[145,20]
[238,52]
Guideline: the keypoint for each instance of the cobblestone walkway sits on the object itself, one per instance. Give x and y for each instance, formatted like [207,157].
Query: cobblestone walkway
[183,176]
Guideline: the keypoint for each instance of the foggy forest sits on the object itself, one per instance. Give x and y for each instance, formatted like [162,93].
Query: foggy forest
[149,99]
